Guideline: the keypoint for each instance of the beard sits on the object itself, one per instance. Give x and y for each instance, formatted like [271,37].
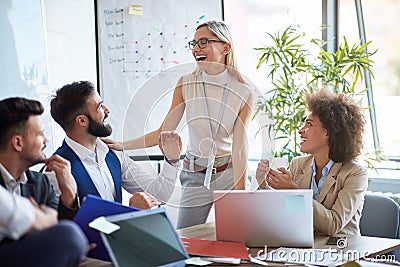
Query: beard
[99,129]
[38,160]
[35,159]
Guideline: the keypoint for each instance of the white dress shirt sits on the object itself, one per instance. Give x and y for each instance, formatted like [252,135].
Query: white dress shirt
[17,215]
[11,184]
[134,179]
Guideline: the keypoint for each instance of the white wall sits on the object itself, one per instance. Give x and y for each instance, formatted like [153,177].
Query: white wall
[71,46]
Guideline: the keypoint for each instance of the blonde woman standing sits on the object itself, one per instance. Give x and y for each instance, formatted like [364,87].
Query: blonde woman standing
[218,103]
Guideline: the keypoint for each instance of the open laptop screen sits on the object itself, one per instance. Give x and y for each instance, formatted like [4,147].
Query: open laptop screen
[145,238]
[92,208]
[272,218]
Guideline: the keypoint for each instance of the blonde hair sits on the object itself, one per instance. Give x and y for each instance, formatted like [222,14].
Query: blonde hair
[223,32]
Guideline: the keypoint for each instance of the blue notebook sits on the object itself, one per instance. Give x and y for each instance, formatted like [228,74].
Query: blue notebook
[92,208]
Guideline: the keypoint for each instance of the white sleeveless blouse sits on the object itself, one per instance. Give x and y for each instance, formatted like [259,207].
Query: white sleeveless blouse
[200,140]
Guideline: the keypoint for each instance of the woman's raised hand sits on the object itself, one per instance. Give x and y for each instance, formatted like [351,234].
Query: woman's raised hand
[113,144]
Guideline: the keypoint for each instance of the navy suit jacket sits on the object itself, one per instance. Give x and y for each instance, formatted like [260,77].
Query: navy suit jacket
[39,187]
[82,177]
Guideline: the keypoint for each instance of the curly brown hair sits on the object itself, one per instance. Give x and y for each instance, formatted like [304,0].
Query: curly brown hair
[343,119]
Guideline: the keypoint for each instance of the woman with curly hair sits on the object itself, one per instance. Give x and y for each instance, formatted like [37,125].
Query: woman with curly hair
[332,136]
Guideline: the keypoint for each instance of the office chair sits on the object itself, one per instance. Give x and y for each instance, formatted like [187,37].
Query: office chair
[380,217]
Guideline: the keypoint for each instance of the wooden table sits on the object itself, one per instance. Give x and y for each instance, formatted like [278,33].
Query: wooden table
[365,246]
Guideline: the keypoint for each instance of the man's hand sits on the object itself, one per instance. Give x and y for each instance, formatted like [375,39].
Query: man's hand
[90,247]
[62,169]
[44,216]
[143,201]
[170,144]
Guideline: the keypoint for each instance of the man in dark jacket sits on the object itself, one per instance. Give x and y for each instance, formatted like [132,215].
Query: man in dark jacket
[22,142]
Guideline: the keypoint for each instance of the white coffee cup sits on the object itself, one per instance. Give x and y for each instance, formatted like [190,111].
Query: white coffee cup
[275,163]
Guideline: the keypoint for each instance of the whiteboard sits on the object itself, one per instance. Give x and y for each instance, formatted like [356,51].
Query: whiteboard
[142,52]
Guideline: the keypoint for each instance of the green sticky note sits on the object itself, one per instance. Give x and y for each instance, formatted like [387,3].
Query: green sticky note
[295,204]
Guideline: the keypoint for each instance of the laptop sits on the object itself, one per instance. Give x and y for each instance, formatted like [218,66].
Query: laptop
[92,208]
[145,238]
[272,218]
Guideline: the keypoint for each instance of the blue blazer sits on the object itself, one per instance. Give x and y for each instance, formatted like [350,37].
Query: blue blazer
[82,178]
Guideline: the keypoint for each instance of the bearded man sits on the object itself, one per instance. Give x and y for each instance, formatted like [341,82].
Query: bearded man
[98,170]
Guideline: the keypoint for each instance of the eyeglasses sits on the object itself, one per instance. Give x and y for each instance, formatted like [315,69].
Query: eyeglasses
[202,43]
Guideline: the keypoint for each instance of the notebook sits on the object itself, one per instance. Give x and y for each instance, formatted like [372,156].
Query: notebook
[272,218]
[92,208]
[144,238]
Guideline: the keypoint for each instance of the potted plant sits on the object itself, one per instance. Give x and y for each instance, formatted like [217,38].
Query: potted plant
[294,70]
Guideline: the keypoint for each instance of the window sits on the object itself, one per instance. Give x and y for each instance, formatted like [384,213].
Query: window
[382,30]
[250,20]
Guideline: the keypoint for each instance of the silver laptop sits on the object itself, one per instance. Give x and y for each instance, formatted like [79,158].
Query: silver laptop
[145,238]
[272,218]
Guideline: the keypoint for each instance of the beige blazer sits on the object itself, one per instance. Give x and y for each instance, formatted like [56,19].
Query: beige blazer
[341,200]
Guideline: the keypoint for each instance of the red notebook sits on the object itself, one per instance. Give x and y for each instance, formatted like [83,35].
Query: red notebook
[210,248]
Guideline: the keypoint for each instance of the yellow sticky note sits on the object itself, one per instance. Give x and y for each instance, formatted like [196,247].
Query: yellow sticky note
[136,10]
